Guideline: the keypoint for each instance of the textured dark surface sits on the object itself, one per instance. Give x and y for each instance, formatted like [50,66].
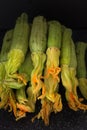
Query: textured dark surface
[72,13]
[65,120]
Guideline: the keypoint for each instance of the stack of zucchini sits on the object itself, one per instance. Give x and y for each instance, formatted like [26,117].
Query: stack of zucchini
[34,59]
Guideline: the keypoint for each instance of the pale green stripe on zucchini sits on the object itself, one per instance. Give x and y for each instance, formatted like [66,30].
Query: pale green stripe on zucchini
[38,39]
[73,59]
[7,41]
[65,47]
[54,34]
[81,48]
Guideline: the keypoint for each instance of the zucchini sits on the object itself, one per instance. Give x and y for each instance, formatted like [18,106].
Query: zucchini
[19,45]
[37,44]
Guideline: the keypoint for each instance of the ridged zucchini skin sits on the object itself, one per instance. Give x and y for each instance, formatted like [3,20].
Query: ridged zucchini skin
[7,41]
[19,44]
[6,44]
[81,48]
[73,58]
[65,48]
[38,39]
[21,34]
[54,34]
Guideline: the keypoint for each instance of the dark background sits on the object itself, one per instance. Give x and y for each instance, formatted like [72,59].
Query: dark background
[73,14]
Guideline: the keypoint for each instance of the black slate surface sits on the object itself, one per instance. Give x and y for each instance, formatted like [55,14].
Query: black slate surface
[67,119]
[71,13]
